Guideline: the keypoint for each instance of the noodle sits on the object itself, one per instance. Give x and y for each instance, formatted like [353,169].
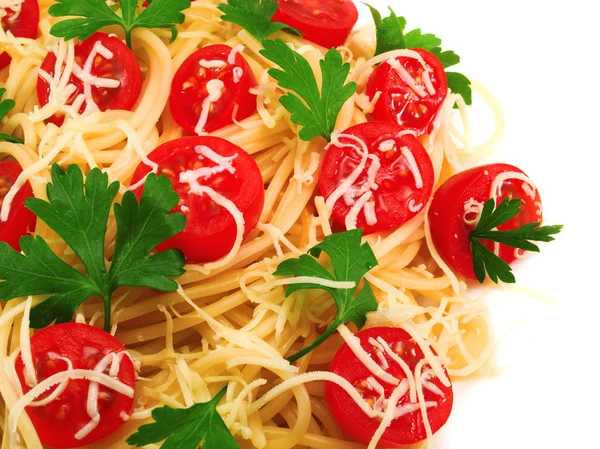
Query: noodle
[232,323]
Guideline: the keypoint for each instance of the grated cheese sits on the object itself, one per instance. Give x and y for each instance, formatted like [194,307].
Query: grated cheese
[412,165]
[215,88]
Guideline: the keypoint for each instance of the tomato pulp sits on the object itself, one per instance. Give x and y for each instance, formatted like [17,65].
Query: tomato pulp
[21,23]
[210,231]
[324,22]
[412,91]
[122,69]
[211,87]
[451,222]
[408,428]
[21,221]
[398,172]
[88,348]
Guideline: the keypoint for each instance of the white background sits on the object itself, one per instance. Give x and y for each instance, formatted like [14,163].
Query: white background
[541,59]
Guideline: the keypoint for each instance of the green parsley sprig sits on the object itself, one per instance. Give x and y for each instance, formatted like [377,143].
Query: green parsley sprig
[187,428]
[484,260]
[391,36]
[79,213]
[351,260]
[255,16]
[96,14]
[5,107]
[316,111]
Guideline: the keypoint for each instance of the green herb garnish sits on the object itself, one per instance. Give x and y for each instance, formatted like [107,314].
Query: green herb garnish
[315,110]
[79,215]
[351,260]
[255,16]
[484,260]
[5,107]
[96,14]
[187,428]
[391,36]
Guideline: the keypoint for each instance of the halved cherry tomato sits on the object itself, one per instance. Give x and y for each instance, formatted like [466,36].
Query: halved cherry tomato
[406,429]
[324,22]
[23,23]
[403,183]
[122,67]
[85,346]
[448,218]
[210,230]
[21,221]
[210,68]
[416,107]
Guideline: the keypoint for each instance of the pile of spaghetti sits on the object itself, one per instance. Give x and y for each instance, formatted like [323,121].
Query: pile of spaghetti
[230,322]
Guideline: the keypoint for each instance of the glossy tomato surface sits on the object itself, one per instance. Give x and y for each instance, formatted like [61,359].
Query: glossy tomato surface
[404,180]
[228,72]
[122,67]
[450,230]
[412,107]
[324,22]
[21,221]
[404,430]
[210,230]
[85,346]
[23,23]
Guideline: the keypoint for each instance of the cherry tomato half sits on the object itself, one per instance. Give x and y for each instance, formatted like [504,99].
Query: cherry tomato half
[324,22]
[21,221]
[85,346]
[415,107]
[122,67]
[406,429]
[210,230]
[450,220]
[23,23]
[403,183]
[213,68]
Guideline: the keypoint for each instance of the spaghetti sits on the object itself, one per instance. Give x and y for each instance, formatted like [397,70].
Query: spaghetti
[230,322]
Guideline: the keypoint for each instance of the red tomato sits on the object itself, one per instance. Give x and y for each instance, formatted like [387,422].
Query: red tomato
[404,430]
[190,89]
[396,195]
[123,67]
[85,346]
[21,221]
[324,22]
[449,230]
[399,103]
[23,23]
[210,230]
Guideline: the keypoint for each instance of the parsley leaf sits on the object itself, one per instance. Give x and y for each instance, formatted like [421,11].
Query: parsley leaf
[351,260]
[391,36]
[187,428]
[79,213]
[316,111]
[96,14]
[5,107]
[255,16]
[484,260]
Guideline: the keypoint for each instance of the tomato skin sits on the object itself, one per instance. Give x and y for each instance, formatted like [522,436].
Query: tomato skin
[450,233]
[397,186]
[26,25]
[21,221]
[188,90]
[123,67]
[403,431]
[210,231]
[398,103]
[324,22]
[57,422]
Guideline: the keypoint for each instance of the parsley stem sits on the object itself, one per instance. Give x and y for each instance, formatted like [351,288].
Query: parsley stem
[330,330]
[128,39]
[107,313]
